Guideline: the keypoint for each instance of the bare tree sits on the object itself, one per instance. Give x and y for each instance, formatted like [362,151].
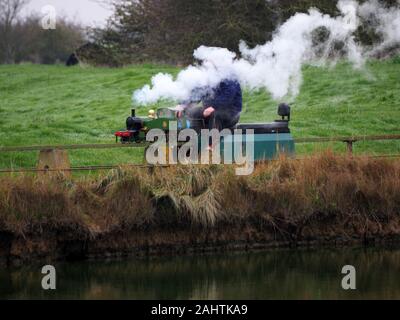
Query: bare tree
[9,11]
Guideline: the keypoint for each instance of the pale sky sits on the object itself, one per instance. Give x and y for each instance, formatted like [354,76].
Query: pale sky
[88,12]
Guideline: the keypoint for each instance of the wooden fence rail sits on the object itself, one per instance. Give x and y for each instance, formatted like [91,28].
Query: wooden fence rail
[349,140]
[55,157]
[352,139]
[73,147]
[346,139]
[144,166]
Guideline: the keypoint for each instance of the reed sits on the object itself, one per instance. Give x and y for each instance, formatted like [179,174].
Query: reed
[324,194]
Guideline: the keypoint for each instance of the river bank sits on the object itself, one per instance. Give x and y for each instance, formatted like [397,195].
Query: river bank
[322,200]
[17,251]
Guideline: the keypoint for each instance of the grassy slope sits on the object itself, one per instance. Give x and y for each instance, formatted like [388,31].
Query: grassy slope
[55,104]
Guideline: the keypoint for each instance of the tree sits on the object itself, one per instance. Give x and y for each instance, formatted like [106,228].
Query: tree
[168,31]
[9,11]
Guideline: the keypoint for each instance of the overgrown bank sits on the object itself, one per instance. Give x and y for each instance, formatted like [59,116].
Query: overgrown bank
[325,198]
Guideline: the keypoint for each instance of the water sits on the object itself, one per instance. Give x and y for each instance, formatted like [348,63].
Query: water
[282,274]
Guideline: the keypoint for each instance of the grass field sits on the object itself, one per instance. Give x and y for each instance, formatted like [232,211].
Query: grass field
[59,105]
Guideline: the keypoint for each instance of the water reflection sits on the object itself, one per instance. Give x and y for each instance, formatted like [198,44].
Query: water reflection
[283,274]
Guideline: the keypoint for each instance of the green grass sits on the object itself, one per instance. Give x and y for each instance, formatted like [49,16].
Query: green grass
[59,105]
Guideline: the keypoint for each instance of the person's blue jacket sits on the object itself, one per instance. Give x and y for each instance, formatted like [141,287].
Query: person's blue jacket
[226,97]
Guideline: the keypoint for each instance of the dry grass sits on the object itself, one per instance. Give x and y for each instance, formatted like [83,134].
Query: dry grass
[295,199]
[33,204]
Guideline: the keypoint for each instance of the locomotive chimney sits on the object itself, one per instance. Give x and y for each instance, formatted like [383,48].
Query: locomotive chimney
[133,113]
[284,111]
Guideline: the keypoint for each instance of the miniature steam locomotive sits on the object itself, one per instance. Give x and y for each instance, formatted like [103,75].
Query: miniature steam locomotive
[270,139]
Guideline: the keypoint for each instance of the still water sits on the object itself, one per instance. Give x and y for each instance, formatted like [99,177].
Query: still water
[281,274]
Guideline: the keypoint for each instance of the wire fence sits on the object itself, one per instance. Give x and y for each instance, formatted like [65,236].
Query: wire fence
[350,141]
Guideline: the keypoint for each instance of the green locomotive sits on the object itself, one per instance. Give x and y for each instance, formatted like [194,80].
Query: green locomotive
[270,139]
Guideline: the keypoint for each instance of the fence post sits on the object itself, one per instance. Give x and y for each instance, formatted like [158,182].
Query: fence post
[349,146]
[54,160]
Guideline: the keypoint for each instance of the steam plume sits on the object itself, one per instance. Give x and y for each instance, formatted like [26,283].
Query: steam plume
[276,65]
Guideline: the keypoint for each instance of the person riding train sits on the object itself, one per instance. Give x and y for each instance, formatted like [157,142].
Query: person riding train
[219,107]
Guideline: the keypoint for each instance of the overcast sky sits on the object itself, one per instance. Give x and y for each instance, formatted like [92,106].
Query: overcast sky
[86,11]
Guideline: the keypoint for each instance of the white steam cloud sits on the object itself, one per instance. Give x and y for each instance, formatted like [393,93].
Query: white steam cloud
[276,65]
[385,22]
